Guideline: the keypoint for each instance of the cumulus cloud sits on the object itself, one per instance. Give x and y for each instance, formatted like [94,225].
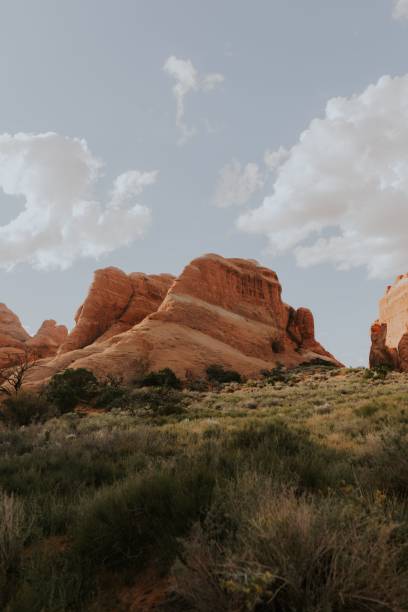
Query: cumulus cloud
[62,220]
[187,80]
[274,159]
[341,196]
[400,9]
[236,183]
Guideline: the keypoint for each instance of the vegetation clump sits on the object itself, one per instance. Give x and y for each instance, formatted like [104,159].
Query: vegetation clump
[218,374]
[292,506]
[68,388]
[378,373]
[162,378]
[160,401]
[24,408]
[279,374]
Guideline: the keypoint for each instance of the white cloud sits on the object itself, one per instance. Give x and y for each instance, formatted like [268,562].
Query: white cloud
[274,159]
[400,9]
[188,80]
[342,194]
[62,221]
[237,184]
[130,184]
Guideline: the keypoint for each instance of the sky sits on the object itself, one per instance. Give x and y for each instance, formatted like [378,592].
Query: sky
[144,133]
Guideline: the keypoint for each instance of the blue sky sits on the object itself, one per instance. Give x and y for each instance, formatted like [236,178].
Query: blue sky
[93,70]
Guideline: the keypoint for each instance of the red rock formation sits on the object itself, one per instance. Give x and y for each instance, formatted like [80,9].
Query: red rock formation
[224,311]
[115,302]
[12,335]
[47,340]
[389,334]
[148,292]
[15,341]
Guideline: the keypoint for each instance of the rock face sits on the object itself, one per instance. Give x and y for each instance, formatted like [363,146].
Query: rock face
[115,303]
[223,311]
[12,335]
[15,341]
[389,334]
[47,340]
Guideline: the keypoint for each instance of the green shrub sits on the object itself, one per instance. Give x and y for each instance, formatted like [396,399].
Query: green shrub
[51,580]
[25,408]
[197,384]
[159,402]
[367,410]
[14,531]
[288,456]
[277,374]
[141,518]
[111,393]
[378,372]
[388,468]
[70,387]
[292,553]
[218,374]
[162,378]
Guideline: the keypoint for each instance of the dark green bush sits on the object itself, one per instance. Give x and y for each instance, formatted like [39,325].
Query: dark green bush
[218,374]
[62,469]
[289,456]
[292,553]
[389,467]
[111,394]
[25,408]
[197,384]
[277,374]
[378,373]
[161,401]
[51,581]
[162,378]
[142,518]
[71,387]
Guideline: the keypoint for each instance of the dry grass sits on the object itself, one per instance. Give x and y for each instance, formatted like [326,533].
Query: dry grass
[306,507]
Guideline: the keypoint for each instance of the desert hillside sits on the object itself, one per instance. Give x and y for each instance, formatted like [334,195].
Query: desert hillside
[279,494]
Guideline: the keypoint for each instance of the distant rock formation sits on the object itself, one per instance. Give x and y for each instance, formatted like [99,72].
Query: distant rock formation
[224,311]
[47,340]
[389,334]
[15,341]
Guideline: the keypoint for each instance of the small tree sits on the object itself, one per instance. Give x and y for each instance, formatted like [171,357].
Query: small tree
[12,376]
[70,387]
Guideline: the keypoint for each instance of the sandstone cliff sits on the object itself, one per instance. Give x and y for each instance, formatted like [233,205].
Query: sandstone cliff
[47,340]
[15,341]
[389,334]
[116,302]
[224,311]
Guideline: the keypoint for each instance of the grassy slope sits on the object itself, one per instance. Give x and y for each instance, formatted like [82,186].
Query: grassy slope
[257,497]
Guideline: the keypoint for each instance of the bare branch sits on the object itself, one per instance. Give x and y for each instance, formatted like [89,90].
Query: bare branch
[12,376]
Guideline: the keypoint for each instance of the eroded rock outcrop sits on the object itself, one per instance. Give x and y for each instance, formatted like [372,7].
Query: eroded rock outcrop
[15,341]
[115,302]
[47,340]
[389,334]
[224,311]
[12,335]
